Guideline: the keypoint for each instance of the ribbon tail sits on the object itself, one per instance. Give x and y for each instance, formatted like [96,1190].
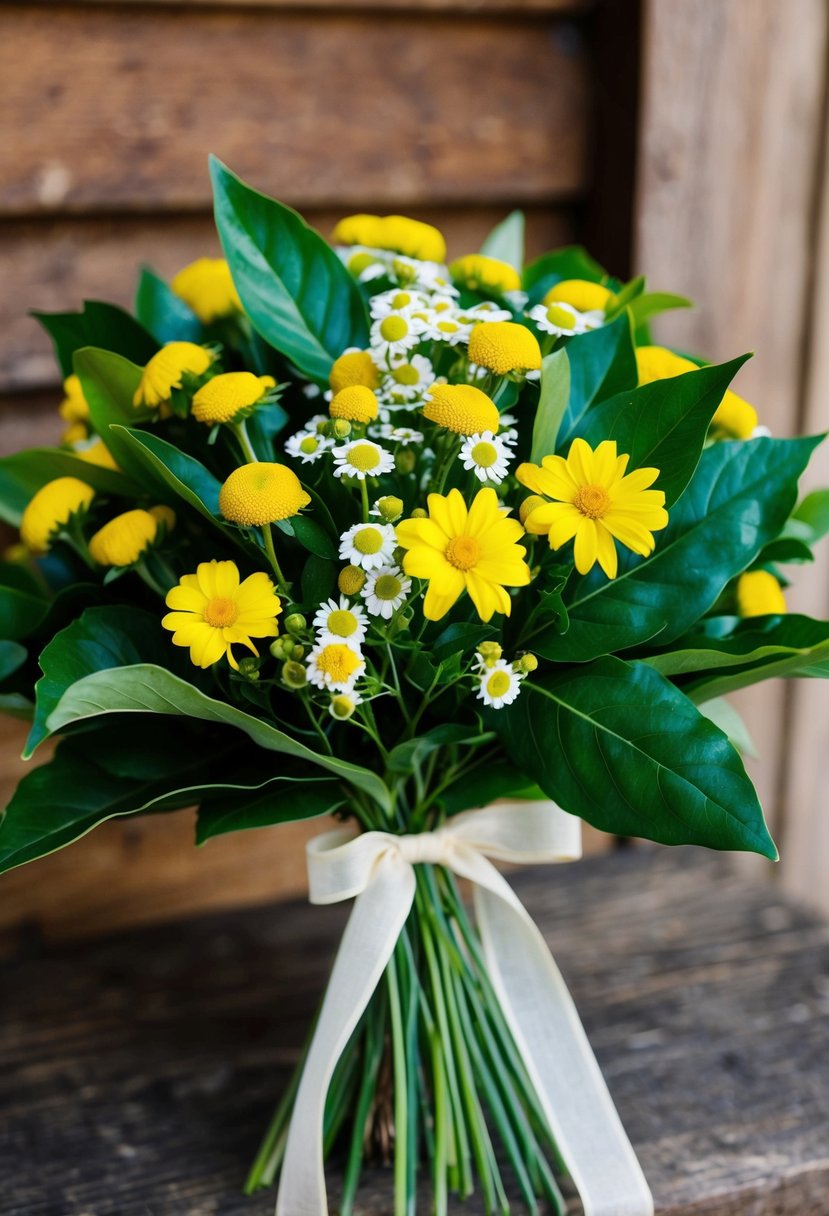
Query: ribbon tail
[375,924]
[556,1052]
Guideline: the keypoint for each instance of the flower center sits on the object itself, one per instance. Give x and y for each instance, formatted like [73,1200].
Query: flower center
[592,501]
[220,612]
[561,317]
[368,540]
[338,661]
[342,623]
[462,552]
[406,374]
[498,683]
[387,587]
[447,327]
[442,306]
[400,299]
[485,454]
[309,445]
[364,457]
[393,329]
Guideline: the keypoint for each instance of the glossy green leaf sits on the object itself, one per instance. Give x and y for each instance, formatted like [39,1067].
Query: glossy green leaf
[313,538]
[20,613]
[295,289]
[813,513]
[12,657]
[280,800]
[737,501]
[619,745]
[602,364]
[173,469]
[459,637]
[652,303]
[99,324]
[163,313]
[109,383]
[147,689]
[571,262]
[625,297]
[506,241]
[23,473]
[723,714]
[552,404]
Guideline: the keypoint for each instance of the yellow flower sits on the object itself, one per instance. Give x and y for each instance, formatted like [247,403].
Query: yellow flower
[51,508]
[355,403]
[98,453]
[354,367]
[580,294]
[165,516]
[212,611]
[477,272]
[760,594]
[397,233]
[74,410]
[122,541]
[226,397]
[261,493]
[165,370]
[596,503]
[207,287]
[351,580]
[461,408]
[504,346]
[734,416]
[459,549]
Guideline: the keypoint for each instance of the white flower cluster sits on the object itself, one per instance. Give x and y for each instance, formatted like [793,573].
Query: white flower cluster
[371,547]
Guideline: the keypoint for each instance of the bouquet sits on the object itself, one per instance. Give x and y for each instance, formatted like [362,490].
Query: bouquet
[452,553]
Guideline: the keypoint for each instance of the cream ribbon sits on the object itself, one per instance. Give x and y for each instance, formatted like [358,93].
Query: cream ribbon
[377,868]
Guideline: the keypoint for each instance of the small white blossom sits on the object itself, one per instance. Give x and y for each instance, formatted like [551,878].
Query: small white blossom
[499,685]
[385,591]
[340,622]
[563,320]
[369,546]
[335,665]
[396,300]
[362,458]
[487,455]
[308,446]
[396,334]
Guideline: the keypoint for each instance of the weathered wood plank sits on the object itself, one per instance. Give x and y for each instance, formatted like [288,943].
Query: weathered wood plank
[54,265]
[406,6]
[331,110]
[141,1069]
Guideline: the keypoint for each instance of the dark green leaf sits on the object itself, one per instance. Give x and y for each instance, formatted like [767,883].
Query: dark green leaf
[552,404]
[20,613]
[457,638]
[407,756]
[172,469]
[162,312]
[319,580]
[99,324]
[813,512]
[23,473]
[786,549]
[571,262]
[12,656]
[506,241]
[109,383]
[313,538]
[227,808]
[602,364]
[651,303]
[484,784]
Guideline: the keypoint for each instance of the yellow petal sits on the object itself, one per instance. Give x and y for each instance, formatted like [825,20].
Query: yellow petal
[608,559]
[580,462]
[586,548]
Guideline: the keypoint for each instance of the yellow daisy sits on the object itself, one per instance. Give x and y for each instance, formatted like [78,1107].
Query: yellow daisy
[165,370]
[458,549]
[212,611]
[207,287]
[596,503]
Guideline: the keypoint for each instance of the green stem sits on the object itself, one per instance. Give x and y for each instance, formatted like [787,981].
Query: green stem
[374,1043]
[364,498]
[267,537]
[401,1198]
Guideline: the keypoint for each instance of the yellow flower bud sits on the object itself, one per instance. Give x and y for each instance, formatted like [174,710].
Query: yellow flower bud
[207,287]
[528,506]
[490,652]
[396,233]
[50,509]
[261,493]
[165,371]
[354,367]
[355,404]
[230,396]
[390,508]
[525,664]
[461,408]
[580,294]
[351,580]
[123,540]
[760,594]
[503,347]
[477,272]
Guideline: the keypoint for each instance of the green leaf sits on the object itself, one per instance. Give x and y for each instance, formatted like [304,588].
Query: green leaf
[99,324]
[786,549]
[318,582]
[280,800]
[723,714]
[147,689]
[458,637]
[623,748]
[506,241]
[109,382]
[20,613]
[663,424]
[625,297]
[313,538]
[12,657]
[651,303]
[552,404]
[813,513]
[407,756]
[571,262]
[737,501]
[484,784]
[295,289]
[163,313]
[23,473]
[602,364]
[172,469]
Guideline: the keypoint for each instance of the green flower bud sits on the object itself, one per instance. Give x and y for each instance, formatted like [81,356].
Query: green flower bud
[390,508]
[419,513]
[405,460]
[525,663]
[341,428]
[249,668]
[294,675]
[295,623]
[490,652]
[277,648]
[342,707]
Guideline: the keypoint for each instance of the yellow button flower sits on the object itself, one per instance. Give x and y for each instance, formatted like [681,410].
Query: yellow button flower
[74,410]
[459,549]
[595,504]
[477,272]
[354,367]
[99,454]
[165,370]
[261,493]
[734,416]
[760,594]
[580,294]
[355,403]
[51,509]
[207,287]
[503,347]
[461,408]
[122,541]
[212,612]
[396,233]
[230,396]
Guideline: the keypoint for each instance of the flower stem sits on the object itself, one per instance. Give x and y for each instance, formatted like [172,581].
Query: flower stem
[282,582]
[401,1197]
[364,498]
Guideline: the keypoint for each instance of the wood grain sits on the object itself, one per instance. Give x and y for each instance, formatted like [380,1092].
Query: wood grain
[122,106]
[140,1070]
[405,6]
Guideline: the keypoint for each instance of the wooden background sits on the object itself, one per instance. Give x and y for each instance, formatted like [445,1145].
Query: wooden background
[456,111]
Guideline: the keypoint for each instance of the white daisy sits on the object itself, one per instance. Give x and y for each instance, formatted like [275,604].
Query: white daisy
[487,310]
[385,590]
[335,665]
[340,622]
[362,458]
[563,320]
[499,685]
[487,455]
[396,300]
[311,390]
[396,334]
[407,380]
[308,446]
[369,546]
[445,327]
[398,434]
[364,263]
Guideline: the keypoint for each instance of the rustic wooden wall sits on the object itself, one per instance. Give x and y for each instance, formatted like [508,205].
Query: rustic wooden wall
[451,110]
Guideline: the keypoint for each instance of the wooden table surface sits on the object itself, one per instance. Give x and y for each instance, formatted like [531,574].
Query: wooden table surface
[137,1072]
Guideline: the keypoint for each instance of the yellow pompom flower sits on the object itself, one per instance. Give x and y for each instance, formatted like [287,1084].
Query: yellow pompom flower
[165,370]
[229,396]
[122,541]
[355,403]
[477,272]
[99,454]
[760,594]
[74,410]
[595,503]
[396,233]
[580,294]
[213,611]
[734,416]
[261,493]
[51,509]
[354,367]
[461,408]
[458,549]
[503,347]
[207,287]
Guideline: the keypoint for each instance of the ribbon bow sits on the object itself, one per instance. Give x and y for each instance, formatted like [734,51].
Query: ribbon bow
[377,868]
